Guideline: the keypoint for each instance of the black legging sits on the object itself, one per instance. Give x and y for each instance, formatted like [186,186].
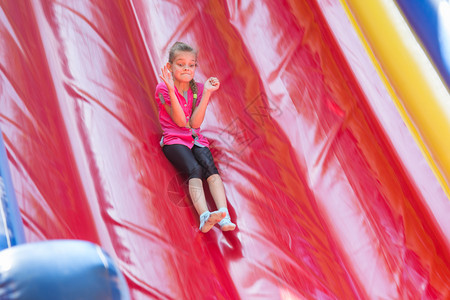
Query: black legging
[195,163]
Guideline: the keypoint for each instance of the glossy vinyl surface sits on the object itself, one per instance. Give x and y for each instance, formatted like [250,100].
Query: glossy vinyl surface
[60,269]
[430,20]
[11,226]
[332,199]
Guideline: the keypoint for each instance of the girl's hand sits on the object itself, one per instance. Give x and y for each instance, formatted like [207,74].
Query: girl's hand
[166,76]
[212,84]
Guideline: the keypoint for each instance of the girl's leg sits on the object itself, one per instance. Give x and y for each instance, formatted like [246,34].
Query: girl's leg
[207,219]
[217,190]
[204,157]
[197,195]
[184,161]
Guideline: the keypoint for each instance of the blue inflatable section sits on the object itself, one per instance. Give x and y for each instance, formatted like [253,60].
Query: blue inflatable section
[430,19]
[11,226]
[62,269]
[59,269]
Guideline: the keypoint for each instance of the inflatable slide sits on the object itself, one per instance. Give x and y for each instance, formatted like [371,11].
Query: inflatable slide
[330,130]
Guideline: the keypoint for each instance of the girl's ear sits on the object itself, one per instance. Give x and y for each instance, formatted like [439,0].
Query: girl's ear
[169,66]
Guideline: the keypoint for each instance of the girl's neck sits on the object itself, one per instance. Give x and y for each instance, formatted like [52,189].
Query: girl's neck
[182,86]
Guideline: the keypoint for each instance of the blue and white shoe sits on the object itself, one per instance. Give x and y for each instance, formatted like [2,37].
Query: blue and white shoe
[209,219]
[226,224]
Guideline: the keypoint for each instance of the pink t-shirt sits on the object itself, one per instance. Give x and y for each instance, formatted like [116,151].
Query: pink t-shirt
[172,133]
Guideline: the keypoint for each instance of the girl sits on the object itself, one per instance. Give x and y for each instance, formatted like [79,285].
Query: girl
[182,105]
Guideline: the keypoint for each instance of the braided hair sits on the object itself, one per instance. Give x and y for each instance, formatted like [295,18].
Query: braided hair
[180,46]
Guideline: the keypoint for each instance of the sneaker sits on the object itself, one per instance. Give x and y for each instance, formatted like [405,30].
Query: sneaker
[226,224]
[208,220]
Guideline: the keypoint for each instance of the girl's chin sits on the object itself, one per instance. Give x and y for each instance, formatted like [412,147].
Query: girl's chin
[185,80]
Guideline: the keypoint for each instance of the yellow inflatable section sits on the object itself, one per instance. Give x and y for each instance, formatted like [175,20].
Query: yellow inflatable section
[420,94]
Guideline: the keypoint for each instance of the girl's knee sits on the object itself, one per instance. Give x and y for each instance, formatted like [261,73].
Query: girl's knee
[213,177]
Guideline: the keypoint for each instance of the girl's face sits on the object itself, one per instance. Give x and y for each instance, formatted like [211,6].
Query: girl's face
[183,66]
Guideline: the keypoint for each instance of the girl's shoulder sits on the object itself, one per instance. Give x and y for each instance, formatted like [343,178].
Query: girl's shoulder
[161,87]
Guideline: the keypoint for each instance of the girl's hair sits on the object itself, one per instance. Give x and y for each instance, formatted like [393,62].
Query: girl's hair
[180,46]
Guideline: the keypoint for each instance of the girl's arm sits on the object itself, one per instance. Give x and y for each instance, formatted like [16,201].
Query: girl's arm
[198,114]
[174,108]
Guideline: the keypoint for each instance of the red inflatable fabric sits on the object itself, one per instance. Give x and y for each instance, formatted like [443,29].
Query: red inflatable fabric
[330,193]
